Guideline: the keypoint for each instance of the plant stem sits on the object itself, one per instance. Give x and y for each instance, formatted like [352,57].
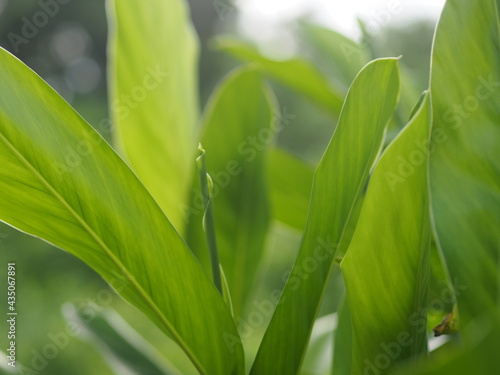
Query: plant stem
[208,217]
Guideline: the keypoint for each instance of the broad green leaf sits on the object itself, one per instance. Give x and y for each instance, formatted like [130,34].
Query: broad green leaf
[343,56]
[479,358]
[337,187]
[465,168]
[295,73]
[290,182]
[153,55]
[120,345]
[386,268]
[237,129]
[342,347]
[60,181]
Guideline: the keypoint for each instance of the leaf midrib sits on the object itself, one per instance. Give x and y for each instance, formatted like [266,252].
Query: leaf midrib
[106,249]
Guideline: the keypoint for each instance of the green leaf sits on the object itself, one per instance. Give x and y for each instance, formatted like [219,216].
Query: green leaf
[342,347]
[60,181]
[226,293]
[290,182]
[338,185]
[386,268]
[465,169]
[295,73]
[120,345]
[237,130]
[153,55]
[208,222]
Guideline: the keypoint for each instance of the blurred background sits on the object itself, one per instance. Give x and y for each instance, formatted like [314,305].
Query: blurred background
[69,52]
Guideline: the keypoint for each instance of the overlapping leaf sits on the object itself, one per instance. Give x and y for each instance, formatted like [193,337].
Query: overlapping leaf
[337,186]
[386,268]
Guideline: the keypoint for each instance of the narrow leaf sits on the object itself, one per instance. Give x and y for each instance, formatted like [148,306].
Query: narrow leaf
[342,347]
[338,185]
[208,219]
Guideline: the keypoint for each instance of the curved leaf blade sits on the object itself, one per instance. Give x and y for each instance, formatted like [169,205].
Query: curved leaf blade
[337,186]
[386,268]
[60,181]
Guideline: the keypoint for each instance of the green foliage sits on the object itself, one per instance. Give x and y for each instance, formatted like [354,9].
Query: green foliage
[120,344]
[464,170]
[338,182]
[400,242]
[62,182]
[154,135]
[409,225]
[296,73]
[237,129]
